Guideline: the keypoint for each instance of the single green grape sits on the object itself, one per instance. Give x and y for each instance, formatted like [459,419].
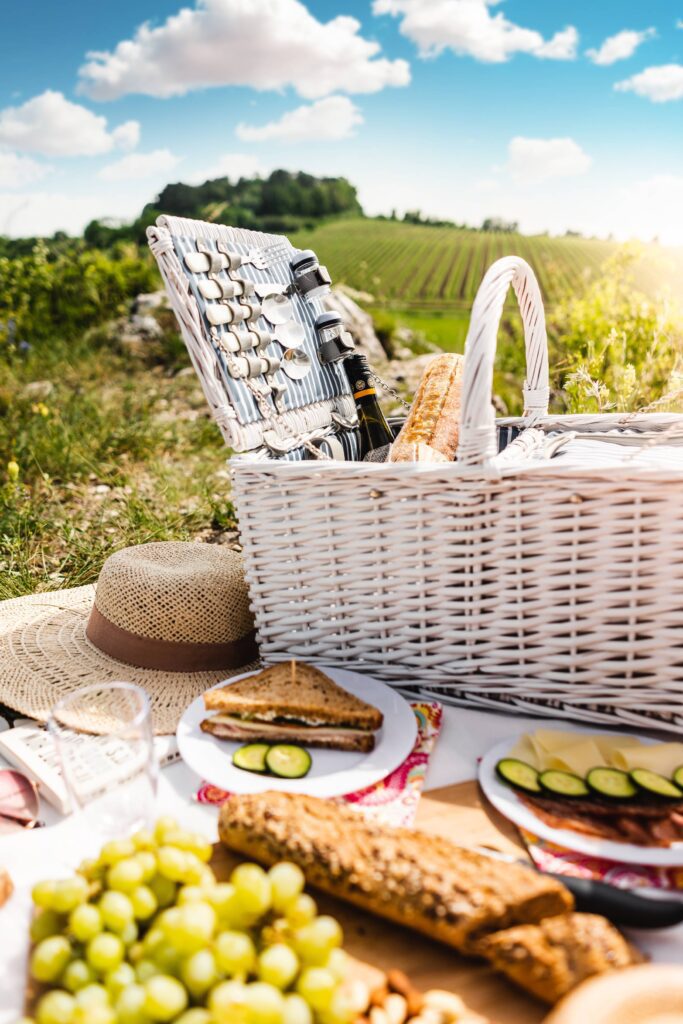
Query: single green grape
[338,963]
[197,1015]
[314,941]
[116,850]
[196,871]
[135,952]
[341,1009]
[167,958]
[190,927]
[287,882]
[55,1007]
[192,894]
[172,863]
[296,1010]
[235,953]
[43,893]
[164,890]
[192,842]
[199,972]
[90,869]
[231,914]
[116,910]
[165,826]
[69,892]
[94,1015]
[278,965]
[165,998]
[117,980]
[265,1003]
[301,911]
[50,957]
[130,1005]
[144,902]
[148,864]
[129,934]
[227,1003]
[45,924]
[104,952]
[92,995]
[77,975]
[125,874]
[85,921]
[143,839]
[254,891]
[317,985]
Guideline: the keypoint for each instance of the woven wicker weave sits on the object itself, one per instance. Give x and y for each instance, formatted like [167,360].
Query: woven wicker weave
[550,589]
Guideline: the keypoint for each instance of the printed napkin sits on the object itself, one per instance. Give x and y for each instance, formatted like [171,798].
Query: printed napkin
[394,800]
[549,857]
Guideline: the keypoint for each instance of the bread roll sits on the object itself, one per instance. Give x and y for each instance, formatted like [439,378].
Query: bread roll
[551,958]
[430,433]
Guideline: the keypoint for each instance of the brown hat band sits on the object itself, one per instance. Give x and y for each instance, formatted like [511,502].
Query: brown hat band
[167,655]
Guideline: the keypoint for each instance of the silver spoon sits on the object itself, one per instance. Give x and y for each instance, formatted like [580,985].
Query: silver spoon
[295,363]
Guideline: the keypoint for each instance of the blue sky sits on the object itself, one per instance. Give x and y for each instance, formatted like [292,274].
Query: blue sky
[558,115]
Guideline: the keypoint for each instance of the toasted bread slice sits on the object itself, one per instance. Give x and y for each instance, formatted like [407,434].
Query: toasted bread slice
[329,737]
[312,698]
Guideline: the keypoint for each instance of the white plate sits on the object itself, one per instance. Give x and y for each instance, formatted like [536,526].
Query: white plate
[507,801]
[333,772]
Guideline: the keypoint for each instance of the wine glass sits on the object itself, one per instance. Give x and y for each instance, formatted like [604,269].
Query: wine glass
[104,739]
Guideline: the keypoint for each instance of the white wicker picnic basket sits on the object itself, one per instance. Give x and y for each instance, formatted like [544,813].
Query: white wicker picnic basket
[546,588]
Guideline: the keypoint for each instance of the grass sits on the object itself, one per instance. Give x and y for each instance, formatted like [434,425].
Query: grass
[107,451]
[446,329]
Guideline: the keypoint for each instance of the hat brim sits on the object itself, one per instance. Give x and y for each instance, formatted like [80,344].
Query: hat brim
[45,655]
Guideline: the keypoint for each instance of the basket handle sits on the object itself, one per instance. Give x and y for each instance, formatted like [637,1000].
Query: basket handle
[478,443]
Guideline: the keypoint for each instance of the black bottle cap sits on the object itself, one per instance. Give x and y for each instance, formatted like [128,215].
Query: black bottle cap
[327,320]
[300,259]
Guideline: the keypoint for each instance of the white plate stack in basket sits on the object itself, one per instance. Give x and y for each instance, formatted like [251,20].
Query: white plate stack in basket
[545,586]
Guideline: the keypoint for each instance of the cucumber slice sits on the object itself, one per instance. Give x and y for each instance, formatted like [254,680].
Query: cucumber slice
[288,761]
[678,776]
[656,784]
[251,757]
[612,783]
[563,783]
[518,774]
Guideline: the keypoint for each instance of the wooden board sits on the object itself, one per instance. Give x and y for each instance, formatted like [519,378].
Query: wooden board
[458,813]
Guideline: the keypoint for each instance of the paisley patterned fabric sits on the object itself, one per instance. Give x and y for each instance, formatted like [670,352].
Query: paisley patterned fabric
[394,800]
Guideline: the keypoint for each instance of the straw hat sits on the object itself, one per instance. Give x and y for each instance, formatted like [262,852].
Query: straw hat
[646,994]
[171,616]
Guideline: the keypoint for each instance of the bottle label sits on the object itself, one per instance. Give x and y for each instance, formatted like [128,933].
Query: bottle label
[364,392]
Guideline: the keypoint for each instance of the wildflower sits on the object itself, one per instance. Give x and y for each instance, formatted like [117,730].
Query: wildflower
[40,409]
[12,471]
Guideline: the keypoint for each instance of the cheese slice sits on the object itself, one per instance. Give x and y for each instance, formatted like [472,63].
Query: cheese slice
[664,758]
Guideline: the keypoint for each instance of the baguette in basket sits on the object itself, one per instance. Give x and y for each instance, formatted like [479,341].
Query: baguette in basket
[430,433]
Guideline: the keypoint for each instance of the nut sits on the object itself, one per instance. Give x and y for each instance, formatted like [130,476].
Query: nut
[400,983]
[378,996]
[359,995]
[396,1008]
[378,1015]
[447,1003]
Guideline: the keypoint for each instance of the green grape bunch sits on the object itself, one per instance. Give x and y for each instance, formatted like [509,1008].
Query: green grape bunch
[145,934]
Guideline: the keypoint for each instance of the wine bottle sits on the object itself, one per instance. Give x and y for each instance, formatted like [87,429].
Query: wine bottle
[375,432]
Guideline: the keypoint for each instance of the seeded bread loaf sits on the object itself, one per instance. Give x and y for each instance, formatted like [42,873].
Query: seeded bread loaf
[424,882]
[551,958]
[430,433]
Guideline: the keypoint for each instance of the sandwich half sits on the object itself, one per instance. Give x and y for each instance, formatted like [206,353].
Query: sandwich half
[292,703]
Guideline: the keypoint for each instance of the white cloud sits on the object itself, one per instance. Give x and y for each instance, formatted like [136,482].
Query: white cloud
[52,125]
[469,28]
[660,83]
[139,165]
[334,117]
[17,171]
[620,46]
[265,44]
[534,160]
